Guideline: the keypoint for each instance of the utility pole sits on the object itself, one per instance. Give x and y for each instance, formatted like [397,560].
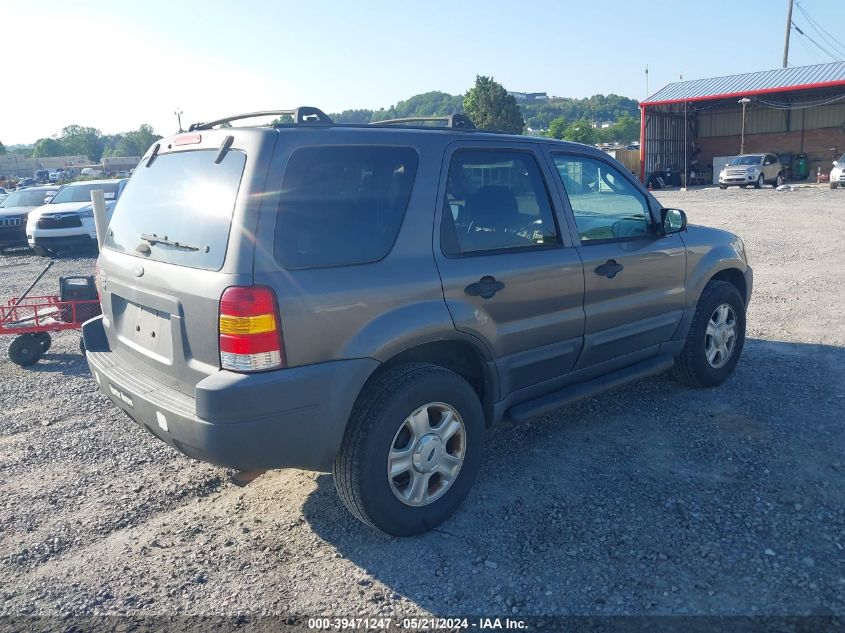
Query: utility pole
[788,31]
[744,101]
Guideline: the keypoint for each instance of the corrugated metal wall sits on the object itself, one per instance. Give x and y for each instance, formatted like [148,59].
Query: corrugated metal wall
[664,141]
[768,120]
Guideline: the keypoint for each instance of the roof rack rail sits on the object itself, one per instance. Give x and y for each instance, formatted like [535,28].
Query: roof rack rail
[301,115]
[459,121]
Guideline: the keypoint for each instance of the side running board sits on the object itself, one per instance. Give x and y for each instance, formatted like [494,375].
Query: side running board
[572,393]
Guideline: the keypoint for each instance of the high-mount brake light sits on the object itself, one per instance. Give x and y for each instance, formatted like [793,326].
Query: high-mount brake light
[188,139]
[250,330]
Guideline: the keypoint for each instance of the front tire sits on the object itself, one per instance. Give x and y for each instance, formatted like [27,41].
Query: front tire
[715,339]
[25,350]
[833,185]
[760,182]
[723,186]
[412,449]
[41,251]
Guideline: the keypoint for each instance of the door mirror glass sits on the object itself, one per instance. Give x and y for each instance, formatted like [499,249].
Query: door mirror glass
[673,221]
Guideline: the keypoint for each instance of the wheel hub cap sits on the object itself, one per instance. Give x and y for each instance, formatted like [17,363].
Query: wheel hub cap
[426,454]
[720,339]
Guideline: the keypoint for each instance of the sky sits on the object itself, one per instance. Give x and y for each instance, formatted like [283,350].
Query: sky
[114,64]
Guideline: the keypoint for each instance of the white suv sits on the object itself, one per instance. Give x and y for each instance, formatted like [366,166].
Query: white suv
[67,221]
[752,169]
[837,174]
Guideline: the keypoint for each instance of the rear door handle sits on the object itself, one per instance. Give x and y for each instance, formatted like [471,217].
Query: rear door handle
[485,287]
[609,269]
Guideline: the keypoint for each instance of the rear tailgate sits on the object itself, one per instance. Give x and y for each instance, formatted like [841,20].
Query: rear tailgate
[179,236]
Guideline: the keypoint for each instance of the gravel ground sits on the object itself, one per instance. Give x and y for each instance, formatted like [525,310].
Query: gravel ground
[654,499]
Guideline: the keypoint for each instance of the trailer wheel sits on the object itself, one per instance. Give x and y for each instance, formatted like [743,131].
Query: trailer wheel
[25,350]
[44,339]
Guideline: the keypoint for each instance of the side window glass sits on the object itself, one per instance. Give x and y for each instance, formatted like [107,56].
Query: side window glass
[605,204]
[495,200]
[342,205]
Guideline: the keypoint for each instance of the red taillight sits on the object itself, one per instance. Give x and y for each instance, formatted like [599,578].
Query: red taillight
[250,331]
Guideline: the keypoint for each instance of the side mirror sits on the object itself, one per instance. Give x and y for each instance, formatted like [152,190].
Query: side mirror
[836,163]
[47,199]
[672,221]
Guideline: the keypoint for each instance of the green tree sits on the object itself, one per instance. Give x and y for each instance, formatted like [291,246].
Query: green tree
[48,147]
[2,149]
[86,141]
[557,128]
[626,129]
[581,131]
[490,107]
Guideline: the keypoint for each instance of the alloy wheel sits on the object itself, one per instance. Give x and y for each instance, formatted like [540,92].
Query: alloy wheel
[720,337]
[426,454]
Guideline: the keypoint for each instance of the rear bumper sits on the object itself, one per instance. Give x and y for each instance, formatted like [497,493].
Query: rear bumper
[289,418]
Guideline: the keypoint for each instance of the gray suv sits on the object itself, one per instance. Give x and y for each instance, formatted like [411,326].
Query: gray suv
[369,299]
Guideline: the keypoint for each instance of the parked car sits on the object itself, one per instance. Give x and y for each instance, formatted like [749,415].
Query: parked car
[752,169]
[89,171]
[23,183]
[3,193]
[276,297]
[14,210]
[837,174]
[57,175]
[67,221]
[42,176]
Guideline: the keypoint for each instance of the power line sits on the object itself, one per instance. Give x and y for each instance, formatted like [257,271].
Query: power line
[786,106]
[830,40]
[819,46]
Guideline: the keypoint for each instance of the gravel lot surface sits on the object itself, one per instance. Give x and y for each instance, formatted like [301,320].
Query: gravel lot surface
[654,499]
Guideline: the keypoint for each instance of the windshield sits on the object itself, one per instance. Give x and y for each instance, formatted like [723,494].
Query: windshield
[26,198]
[182,197]
[82,192]
[746,160]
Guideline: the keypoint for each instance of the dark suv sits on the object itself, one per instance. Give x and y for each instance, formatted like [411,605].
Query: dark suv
[369,299]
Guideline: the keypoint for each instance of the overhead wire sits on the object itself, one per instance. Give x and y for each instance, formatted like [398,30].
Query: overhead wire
[837,46]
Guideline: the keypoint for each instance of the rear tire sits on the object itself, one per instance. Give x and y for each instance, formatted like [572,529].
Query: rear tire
[778,180]
[692,366]
[25,350]
[44,340]
[393,417]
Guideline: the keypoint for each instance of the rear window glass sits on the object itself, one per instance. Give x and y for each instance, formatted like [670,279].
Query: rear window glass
[342,205]
[182,197]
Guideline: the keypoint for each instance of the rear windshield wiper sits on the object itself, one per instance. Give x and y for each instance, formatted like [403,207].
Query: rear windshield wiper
[154,239]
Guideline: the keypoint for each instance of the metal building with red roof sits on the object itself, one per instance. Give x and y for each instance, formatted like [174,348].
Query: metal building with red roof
[793,112]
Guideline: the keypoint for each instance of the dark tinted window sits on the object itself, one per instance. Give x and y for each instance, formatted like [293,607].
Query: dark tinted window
[342,205]
[185,197]
[495,200]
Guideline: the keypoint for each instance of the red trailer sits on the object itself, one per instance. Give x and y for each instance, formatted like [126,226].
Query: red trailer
[32,319]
